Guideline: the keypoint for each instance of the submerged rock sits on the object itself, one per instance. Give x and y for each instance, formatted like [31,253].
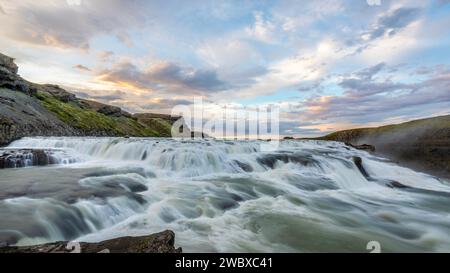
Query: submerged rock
[162,242]
[364,147]
[358,162]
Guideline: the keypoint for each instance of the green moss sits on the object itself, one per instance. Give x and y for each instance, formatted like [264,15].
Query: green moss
[91,121]
[159,125]
[426,129]
[5,121]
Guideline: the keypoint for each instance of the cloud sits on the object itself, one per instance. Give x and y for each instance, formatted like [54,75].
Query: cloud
[368,73]
[58,24]
[389,24]
[292,72]
[362,83]
[125,38]
[164,75]
[132,102]
[82,68]
[298,128]
[374,100]
[226,55]
[105,56]
[106,96]
[163,104]
[262,30]
[294,17]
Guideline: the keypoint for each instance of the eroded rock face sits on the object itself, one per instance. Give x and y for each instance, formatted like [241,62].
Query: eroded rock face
[59,93]
[8,63]
[162,242]
[22,115]
[9,78]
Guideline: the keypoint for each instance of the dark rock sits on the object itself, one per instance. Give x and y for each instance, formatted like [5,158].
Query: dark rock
[59,93]
[110,110]
[8,63]
[198,135]
[398,185]
[244,166]
[269,160]
[364,147]
[143,116]
[163,242]
[24,158]
[423,145]
[358,162]
[13,81]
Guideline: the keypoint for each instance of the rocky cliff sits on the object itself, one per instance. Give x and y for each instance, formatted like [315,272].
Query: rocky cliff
[421,144]
[29,109]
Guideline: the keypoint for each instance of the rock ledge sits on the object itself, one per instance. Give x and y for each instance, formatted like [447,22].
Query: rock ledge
[162,242]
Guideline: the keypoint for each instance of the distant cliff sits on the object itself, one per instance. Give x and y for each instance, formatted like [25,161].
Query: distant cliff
[421,144]
[29,109]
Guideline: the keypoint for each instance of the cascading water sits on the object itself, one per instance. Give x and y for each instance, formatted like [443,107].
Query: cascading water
[223,196]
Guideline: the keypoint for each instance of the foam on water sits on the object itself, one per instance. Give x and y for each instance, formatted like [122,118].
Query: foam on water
[231,196]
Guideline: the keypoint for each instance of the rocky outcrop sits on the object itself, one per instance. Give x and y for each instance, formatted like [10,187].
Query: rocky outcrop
[8,63]
[59,93]
[423,144]
[161,122]
[163,242]
[105,109]
[22,115]
[143,116]
[9,78]
[364,147]
[25,157]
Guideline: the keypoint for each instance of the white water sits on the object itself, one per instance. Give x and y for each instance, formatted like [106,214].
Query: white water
[230,196]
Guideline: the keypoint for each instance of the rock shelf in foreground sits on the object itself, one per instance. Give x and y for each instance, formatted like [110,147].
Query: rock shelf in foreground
[162,242]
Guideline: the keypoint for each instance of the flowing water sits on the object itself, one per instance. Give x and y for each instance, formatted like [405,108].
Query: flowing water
[223,196]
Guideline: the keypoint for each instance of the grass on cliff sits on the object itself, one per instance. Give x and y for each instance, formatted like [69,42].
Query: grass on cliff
[430,128]
[159,125]
[91,121]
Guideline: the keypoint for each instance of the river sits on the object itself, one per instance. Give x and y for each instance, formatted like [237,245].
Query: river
[223,196]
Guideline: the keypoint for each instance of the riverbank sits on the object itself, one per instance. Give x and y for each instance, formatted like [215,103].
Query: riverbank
[423,145]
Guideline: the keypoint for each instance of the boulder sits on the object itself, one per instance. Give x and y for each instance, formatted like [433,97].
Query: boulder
[110,111]
[163,242]
[358,162]
[8,63]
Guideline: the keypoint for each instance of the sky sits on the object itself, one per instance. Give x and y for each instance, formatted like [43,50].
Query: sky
[327,64]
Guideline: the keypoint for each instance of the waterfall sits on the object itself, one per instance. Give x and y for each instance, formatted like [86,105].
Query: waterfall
[228,195]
